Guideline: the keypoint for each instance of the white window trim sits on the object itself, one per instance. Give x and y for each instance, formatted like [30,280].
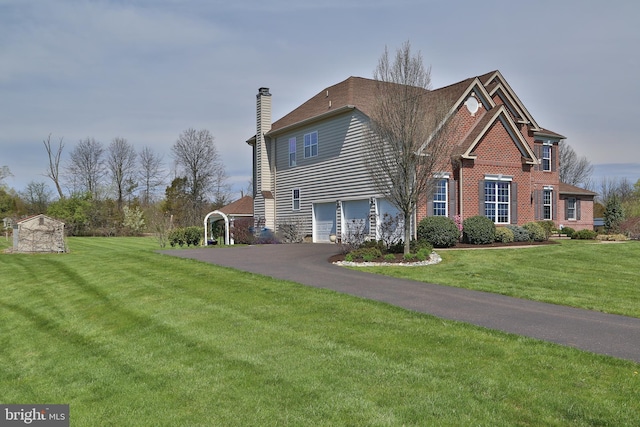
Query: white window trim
[294,199]
[550,145]
[446,196]
[550,190]
[498,177]
[292,163]
[496,203]
[575,208]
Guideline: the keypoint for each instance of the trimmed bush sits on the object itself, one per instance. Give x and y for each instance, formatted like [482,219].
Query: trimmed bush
[548,226]
[420,244]
[440,231]
[504,235]
[479,230]
[584,235]
[612,237]
[519,233]
[536,232]
[568,231]
[389,257]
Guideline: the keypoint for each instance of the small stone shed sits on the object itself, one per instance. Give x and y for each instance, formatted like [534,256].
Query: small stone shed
[39,234]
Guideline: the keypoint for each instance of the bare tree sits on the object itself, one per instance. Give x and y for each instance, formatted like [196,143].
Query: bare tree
[53,170]
[151,174]
[198,160]
[4,173]
[37,196]
[121,163]
[574,170]
[221,188]
[86,166]
[406,140]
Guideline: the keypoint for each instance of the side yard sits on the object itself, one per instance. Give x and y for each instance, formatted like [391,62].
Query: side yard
[578,273]
[127,336]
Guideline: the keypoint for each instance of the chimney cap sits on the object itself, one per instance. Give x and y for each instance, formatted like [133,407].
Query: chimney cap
[263,91]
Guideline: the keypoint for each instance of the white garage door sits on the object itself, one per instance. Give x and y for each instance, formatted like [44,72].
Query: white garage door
[390,227]
[355,215]
[324,221]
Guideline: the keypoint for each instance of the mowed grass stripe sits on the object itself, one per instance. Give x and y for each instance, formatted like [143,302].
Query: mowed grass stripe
[131,337]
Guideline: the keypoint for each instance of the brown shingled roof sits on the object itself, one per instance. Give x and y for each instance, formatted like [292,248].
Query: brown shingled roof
[575,191]
[243,206]
[356,92]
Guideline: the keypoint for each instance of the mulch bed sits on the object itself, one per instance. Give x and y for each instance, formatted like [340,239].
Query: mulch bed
[399,257]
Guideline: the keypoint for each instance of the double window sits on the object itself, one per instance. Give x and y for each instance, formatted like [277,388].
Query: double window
[497,201]
[440,198]
[310,144]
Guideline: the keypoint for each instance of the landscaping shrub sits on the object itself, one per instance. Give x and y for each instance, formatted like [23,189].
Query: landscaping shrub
[536,232]
[366,254]
[548,226]
[440,231]
[193,235]
[389,257]
[519,233]
[612,237]
[423,254]
[420,244]
[409,257]
[504,235]
[584,235]
[242,231]
[568,231]
[478,230]
[177,237]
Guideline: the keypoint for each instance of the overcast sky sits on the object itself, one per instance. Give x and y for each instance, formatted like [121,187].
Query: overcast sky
[146,70]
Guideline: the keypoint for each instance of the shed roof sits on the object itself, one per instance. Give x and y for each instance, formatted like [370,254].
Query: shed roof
[242,206]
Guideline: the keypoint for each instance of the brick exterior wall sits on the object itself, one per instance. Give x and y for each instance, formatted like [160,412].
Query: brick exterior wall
[497,154]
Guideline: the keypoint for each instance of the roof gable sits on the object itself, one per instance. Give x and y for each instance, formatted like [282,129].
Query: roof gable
[482,127]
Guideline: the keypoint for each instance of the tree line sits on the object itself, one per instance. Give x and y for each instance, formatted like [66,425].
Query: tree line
[114,190]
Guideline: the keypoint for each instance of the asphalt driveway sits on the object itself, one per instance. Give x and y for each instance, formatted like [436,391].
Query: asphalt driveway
[613,335]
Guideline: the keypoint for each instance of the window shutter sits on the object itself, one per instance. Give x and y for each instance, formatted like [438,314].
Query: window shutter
[481,208]
[554,149]
[430,206]
[537,204]
[578,209]
[554,206]
[514,203]
[452,198]
[537,150]
[566,209]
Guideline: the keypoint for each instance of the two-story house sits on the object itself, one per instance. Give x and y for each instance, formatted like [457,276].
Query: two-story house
[308,166]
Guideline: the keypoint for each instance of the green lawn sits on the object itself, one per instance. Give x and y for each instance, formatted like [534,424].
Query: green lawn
[129,337]
[596,276]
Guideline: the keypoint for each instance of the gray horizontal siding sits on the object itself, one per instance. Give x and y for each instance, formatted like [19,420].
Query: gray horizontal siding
[337,173]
